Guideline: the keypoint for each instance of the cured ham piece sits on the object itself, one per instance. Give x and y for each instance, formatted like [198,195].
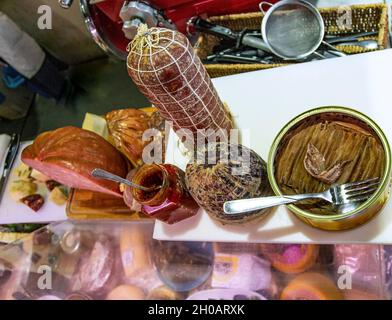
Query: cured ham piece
[68,155]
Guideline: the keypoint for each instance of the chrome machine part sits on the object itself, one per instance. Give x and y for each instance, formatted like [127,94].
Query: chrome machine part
[133,13]
[98,34]
[66,4]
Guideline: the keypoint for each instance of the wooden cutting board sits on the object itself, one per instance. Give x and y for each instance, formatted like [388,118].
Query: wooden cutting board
[83,204]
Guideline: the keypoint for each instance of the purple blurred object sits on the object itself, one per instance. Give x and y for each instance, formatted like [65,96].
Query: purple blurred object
[365,264]
[49,297]
[388,268]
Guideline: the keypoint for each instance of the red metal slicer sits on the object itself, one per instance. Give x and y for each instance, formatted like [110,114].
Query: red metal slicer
[113,23]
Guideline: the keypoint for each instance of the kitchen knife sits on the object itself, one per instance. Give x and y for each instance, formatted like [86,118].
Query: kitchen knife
[9,161]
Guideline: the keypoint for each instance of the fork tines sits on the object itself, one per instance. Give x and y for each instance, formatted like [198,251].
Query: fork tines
[361,190]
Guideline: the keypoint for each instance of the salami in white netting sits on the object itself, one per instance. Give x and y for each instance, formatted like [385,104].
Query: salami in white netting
[166,69]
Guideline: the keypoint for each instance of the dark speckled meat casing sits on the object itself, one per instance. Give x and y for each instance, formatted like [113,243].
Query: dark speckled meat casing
[211,185]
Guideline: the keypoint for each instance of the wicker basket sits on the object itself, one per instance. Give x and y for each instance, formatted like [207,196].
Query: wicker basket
[365,18]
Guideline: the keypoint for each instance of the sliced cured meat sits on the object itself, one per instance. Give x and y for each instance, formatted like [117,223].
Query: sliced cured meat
[68,155]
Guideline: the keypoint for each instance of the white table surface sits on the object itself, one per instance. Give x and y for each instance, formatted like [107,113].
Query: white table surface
[12,211]
[263,102]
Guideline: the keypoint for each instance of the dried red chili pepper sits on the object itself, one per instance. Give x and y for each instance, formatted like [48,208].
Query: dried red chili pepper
[34,202]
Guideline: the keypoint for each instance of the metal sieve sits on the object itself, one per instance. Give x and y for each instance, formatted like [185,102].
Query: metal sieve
[292,29]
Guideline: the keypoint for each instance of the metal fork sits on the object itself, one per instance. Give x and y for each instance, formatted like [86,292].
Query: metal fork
[337,195]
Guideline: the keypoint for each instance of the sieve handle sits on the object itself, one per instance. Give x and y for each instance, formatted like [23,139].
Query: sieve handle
[211,28]
[333,48]
[255,42]
[264,3]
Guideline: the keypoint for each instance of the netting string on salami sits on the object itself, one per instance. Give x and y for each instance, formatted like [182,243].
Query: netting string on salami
[166,69]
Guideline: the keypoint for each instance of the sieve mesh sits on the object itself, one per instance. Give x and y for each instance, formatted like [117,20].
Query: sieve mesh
[293,30]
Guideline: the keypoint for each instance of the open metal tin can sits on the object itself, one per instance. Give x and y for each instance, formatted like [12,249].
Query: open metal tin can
[364,211]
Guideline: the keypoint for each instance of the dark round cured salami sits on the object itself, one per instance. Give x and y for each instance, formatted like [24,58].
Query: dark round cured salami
[224,172]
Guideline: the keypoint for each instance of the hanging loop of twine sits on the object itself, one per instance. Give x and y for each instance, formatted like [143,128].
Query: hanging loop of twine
[144,38]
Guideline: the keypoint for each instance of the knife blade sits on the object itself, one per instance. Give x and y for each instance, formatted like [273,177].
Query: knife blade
[9,161]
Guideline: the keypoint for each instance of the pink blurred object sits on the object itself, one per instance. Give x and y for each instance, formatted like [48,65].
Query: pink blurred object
[97,268]
[365,264]
[292,253]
